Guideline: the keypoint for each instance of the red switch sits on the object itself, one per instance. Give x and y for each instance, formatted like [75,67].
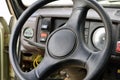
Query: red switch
[43,36]
[118,47]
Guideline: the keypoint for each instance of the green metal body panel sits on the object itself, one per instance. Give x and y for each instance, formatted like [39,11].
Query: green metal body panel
[4,58]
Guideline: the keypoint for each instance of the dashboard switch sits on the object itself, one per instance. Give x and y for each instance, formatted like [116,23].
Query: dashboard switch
[46,22]
[43,39]
[44,27]
[43,36]
[118,47]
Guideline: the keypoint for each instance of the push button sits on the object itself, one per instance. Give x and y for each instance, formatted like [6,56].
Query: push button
[44,27]
[46,23]
[43,36]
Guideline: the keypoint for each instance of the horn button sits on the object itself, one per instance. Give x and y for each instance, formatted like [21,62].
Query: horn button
[62,43]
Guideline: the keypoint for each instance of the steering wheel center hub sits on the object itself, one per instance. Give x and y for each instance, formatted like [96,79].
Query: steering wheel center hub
[62,43]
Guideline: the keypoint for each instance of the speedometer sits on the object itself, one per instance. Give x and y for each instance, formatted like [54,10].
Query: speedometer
[98,38]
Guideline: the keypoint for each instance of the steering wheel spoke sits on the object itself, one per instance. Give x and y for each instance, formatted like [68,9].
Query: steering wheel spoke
[38,72]
[45,65]
[77,19]
[93,65]
[81,54]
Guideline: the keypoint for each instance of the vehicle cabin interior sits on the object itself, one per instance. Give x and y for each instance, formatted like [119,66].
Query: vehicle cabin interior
[61,40]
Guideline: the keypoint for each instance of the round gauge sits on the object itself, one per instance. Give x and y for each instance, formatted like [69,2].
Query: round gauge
[98,38]
[28,33]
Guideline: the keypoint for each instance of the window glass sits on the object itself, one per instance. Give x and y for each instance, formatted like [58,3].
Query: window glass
[115,3]
[55,3]
[28,2]
[4,12]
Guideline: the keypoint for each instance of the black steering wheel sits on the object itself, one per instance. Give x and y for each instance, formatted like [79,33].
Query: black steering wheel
[65,43]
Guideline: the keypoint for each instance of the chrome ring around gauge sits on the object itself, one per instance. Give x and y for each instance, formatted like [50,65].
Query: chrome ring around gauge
[98,38]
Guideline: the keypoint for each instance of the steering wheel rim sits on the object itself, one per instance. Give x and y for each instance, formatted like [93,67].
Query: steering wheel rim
[75,22]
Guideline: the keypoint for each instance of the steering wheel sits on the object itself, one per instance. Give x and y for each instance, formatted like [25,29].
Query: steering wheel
[65,43]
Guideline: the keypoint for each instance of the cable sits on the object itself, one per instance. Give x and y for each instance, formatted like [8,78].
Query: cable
[37,60]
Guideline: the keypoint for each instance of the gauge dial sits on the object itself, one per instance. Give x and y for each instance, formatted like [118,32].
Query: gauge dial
[28,33]
[98,38]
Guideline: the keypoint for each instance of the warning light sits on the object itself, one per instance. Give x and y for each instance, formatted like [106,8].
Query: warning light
[118,47]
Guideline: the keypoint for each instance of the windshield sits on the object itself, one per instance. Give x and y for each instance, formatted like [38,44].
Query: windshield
[109,3]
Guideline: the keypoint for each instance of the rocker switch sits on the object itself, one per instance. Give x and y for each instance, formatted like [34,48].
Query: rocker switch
[46,22]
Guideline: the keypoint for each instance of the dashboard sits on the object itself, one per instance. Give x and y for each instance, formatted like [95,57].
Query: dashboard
[41,23]
[45,20]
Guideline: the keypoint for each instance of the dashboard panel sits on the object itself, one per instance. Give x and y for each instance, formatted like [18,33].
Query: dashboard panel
[42,23]
[38,27]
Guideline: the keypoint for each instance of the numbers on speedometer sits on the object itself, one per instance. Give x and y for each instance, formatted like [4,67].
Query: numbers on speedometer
[28,33]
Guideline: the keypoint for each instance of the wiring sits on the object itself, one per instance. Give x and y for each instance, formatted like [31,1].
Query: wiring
[37,60]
